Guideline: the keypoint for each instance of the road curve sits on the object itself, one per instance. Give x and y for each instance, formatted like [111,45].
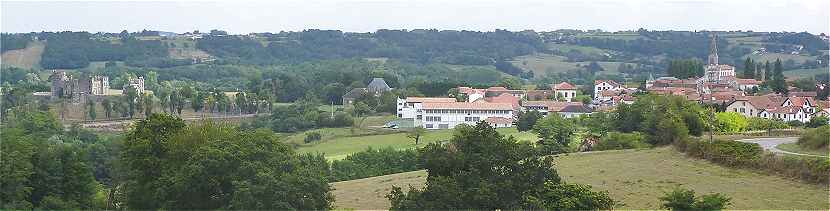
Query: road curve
[771,144]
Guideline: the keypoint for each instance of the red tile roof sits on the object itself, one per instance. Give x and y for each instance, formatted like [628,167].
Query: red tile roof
[429,100]
[748,82]
[505,98]
[563,86]
[498,120]
[469,106]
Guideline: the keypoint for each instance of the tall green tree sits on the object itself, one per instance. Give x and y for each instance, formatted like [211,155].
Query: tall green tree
[482,169]
[91,112]
[149,103]
[554,133]
[778,84]
[108,107]
[169,165]
[749,68]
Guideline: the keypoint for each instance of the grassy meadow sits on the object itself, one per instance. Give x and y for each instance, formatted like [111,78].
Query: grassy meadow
[793,147]
[634,178]
[337,143]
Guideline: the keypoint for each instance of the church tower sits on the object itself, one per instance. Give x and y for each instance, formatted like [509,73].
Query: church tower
[713,50]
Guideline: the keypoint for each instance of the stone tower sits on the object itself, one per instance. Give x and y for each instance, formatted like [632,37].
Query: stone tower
[713,50]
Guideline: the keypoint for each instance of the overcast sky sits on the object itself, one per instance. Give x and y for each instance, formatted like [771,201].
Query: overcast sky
[369,15]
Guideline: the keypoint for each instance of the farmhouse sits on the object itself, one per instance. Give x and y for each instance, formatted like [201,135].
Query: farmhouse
[566,90]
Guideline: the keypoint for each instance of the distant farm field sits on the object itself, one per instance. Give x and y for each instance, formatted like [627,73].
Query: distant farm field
[802,73]
[542,64]
[771,57]
[634,178]
[28,57]
[344,143]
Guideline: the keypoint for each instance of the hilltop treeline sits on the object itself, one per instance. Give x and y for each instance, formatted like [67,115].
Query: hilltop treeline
[418,46]
[13,41]
[651,43]
[71,50]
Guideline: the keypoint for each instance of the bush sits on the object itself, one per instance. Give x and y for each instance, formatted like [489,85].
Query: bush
[816,138]
[758,123]
[312,137]
[731,122]
[730,153]
[795,123]
[751,156]
[817,122]
[374,162]
[683,199]
[617,140]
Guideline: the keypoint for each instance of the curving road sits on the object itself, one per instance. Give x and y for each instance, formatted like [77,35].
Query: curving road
[771,144]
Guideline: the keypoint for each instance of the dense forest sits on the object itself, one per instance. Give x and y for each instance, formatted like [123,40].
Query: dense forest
[71,50]
[417,46]
[14,41]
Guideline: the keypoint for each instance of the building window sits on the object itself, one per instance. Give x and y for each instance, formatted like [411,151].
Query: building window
[471,119]
[428,126]
[420,117]
[443,126]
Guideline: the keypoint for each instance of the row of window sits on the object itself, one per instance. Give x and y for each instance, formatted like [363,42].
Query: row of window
[440,126]
[471,119]
[458,111]
[433,118]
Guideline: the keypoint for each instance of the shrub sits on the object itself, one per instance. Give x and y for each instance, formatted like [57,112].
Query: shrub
[617,140]
[758,123]
[731,122]
[816,138]
[374,162]
[751,156]
[795,123]
[731,153]
[312,137]
[683,199]
[817,122]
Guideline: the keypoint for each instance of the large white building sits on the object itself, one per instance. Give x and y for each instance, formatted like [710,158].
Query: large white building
[412,107]
[446,113]
[449,115]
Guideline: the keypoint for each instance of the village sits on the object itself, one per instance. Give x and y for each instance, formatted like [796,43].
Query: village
[499,106]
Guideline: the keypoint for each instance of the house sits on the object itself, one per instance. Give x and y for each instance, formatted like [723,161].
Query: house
[565,109]
[378,86]
[574,110]
[604,85]
[497,90]
[447,115]
[412,107]
[747,84]
[775,107]
[471,94]
[566,90]
[539,95]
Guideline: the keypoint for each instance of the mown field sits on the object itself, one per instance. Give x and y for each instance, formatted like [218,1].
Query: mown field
[337,143]
[635,178]
[28,57]
[808,73]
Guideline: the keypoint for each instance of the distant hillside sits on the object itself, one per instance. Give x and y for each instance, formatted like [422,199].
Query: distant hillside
[28,57]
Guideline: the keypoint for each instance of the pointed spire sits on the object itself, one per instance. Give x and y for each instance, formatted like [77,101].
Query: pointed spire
[713,50]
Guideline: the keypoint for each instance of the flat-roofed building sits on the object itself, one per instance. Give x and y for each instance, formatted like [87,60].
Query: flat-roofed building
[446,115]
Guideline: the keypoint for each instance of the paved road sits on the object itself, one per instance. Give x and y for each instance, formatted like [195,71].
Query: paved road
[770,144]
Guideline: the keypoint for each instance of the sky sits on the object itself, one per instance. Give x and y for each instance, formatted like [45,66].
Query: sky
[245,16]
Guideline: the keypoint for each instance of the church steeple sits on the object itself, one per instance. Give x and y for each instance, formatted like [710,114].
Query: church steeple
[713,50]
